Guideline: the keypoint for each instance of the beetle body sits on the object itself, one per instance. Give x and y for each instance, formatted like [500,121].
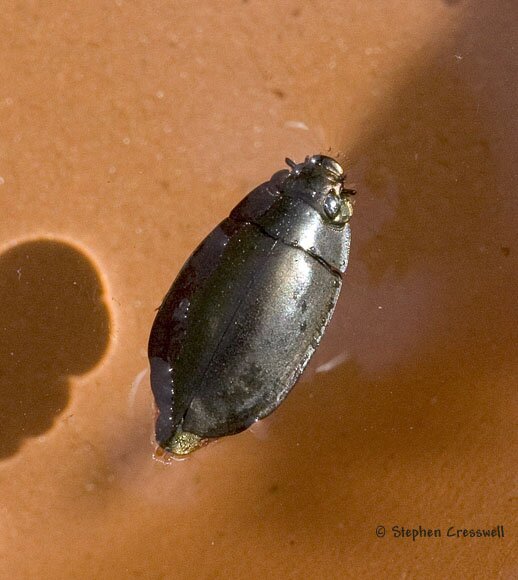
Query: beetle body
[249,307]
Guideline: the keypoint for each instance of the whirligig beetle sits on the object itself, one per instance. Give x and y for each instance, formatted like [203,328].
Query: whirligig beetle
[250,305]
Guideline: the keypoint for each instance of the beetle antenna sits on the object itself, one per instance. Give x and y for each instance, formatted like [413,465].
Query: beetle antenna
[291,163]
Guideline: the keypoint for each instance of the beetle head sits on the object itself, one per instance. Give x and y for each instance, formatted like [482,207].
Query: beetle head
[319,182]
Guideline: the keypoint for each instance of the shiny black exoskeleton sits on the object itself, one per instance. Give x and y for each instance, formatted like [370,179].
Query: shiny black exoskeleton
[249,307]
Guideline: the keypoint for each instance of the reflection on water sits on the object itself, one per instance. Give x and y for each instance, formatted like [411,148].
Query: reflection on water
[54,324]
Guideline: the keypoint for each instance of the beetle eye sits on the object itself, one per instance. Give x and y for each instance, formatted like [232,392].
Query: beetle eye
[332,205]
[337,209]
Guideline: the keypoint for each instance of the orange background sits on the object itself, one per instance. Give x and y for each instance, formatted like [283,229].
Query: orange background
[128,129]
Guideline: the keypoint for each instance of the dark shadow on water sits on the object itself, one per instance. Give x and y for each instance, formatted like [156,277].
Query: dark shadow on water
[427,163]
[54,325]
